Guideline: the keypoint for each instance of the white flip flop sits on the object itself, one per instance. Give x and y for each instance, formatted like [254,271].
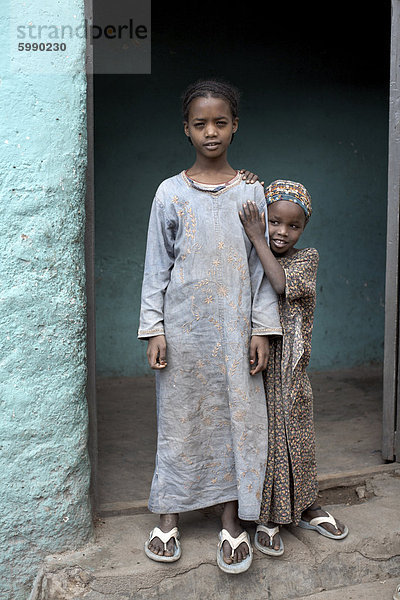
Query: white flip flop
[396,595]
[315,524]
[164,537]
[270,550]
[234,568]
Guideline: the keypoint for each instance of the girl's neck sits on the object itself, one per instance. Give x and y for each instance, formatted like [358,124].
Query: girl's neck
[287,254]
[206,171]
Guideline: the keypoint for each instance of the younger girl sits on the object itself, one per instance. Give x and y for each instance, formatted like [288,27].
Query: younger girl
[207,311]
[290,488]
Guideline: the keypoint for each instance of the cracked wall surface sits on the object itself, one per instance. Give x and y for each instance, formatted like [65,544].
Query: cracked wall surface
[44,468]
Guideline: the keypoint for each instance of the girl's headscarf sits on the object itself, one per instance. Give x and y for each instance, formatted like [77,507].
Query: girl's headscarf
[283,189]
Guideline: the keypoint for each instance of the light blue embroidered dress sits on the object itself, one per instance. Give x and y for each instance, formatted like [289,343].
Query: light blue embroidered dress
[205,289]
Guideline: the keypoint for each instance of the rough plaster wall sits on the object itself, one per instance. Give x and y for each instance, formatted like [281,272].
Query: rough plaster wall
[44,468]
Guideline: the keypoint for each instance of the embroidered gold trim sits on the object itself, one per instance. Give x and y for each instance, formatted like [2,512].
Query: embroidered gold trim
[150,332]
[266,331]
[203,187]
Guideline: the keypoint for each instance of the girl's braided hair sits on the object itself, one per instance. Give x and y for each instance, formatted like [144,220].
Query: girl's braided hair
[203,88]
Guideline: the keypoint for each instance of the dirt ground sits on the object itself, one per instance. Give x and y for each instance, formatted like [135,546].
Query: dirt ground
[347,409]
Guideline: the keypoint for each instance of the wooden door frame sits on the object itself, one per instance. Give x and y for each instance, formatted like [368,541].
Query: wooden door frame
[391,370]
[89,266]
[391,384]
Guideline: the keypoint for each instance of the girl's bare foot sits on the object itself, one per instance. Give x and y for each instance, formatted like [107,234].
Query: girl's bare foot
[314,511]
[265,540]
[231,523]
[167,522]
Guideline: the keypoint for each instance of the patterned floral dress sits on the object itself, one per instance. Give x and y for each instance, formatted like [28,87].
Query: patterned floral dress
[291,477]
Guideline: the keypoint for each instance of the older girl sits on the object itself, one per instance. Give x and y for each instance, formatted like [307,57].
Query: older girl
[207,311]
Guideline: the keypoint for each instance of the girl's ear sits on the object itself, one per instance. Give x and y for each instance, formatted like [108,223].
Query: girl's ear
[186,130]
[235,125]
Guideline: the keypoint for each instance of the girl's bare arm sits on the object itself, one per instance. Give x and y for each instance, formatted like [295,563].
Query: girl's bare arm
[254,226]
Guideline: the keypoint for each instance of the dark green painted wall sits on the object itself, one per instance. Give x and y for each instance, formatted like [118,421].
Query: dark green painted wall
[314,109]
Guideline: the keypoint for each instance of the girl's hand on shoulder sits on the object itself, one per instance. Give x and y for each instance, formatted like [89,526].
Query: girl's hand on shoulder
[250,177]
[259,353]
[157,352]
[252,221]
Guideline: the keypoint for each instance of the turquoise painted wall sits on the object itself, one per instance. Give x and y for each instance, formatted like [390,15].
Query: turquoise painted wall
[314,109]
[44,468]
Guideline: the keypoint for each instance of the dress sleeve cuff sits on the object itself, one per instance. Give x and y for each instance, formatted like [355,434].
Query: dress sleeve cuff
[266,331]
[144,334]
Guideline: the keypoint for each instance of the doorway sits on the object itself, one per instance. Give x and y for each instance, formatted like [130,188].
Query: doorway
[314,109]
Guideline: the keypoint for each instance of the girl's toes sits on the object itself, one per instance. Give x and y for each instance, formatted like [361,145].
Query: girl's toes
[226,553]
[332,529]
[170,548]
[341,527]
[159,549]
[242,554]
[262,539]
[155,547]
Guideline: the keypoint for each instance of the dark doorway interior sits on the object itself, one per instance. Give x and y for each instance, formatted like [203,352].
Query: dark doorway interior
[305,75]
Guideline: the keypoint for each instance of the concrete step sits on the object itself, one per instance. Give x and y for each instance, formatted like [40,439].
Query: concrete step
[115,567]
[375,590]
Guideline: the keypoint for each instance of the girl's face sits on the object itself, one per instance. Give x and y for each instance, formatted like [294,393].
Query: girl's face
[286,223]
[210,126]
